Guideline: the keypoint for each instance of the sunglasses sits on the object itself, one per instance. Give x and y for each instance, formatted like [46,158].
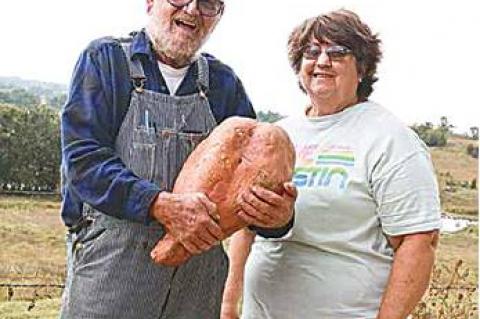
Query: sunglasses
[208,8]
[334,52]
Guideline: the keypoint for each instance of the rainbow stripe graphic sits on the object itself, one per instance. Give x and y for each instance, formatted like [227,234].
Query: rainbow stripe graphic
[340,159]
[327,168]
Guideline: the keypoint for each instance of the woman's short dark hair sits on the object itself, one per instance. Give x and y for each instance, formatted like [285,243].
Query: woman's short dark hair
[345,28]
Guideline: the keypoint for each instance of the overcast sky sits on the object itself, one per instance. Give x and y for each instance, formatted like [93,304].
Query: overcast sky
[431,64]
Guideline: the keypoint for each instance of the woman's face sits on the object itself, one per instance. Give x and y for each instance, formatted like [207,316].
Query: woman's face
[329,81]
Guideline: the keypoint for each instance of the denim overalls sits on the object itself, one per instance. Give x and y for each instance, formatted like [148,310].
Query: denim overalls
[110,273]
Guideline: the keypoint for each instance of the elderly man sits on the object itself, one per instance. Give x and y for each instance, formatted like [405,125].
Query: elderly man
[136,109]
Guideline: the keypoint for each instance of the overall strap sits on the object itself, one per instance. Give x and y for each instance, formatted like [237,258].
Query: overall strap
[203,83]
[138,78]
[137,75]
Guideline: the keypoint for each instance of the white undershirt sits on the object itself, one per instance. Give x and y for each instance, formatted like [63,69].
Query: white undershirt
[173,77]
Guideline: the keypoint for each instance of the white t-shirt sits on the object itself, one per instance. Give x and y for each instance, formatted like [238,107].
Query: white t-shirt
[173,77]
[361,175]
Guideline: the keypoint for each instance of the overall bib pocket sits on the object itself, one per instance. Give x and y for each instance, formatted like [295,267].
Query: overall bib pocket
[143,153]
[187,141]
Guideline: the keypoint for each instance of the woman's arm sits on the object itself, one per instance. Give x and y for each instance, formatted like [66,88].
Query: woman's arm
[412,265]
[238,252]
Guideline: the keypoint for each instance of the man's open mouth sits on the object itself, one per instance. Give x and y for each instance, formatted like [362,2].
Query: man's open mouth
[185,24]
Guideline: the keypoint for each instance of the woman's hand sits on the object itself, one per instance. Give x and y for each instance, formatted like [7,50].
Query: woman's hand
[264,208]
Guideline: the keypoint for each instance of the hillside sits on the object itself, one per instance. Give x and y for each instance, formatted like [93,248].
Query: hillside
[17,91]
[456,172]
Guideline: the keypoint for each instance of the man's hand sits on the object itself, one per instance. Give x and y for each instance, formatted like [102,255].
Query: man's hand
[264,208]
[190,218]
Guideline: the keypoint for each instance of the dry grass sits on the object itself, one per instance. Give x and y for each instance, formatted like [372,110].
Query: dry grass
[462,245]
[456,299]
[454,159]
[454,288]
[453,291]
[43,309]
[32,236]
[32,245]
[455,172]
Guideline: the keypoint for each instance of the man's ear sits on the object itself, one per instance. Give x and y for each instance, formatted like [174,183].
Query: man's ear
[149,5]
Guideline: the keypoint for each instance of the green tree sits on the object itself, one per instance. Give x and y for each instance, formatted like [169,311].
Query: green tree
[432,136]
[58,100]
[30,143]
[20,97]
[8,127]
[472,150]
[444,122]
[269,116]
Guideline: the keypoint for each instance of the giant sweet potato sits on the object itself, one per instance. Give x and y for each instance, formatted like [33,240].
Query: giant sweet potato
[237,154]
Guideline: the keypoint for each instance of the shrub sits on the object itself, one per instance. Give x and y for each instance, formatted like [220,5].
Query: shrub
[430,135]
[472,150]
[269,116]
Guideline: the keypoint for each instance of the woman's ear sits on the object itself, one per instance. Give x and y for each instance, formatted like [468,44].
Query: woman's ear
[300,85]
[360,72]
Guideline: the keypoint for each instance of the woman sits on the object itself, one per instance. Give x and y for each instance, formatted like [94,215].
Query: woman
[367,213]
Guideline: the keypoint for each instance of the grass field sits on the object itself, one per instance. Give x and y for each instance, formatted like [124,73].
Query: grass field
[454,286]
[32,248]
[32,251]
[456,170]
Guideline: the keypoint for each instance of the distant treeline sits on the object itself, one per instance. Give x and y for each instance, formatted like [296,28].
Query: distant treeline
[432,135]
[437,135]
[29,100]
[30,134]
[30,148]
[29,94]
[30,137]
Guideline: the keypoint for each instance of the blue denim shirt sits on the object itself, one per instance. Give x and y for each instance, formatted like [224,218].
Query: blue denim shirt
[98,100]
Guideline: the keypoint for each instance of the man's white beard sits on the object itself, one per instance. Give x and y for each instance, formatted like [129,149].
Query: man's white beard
[180,52]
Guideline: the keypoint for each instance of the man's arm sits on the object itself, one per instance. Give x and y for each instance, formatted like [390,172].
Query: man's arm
[412,266]
[238,252]
[89,124]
